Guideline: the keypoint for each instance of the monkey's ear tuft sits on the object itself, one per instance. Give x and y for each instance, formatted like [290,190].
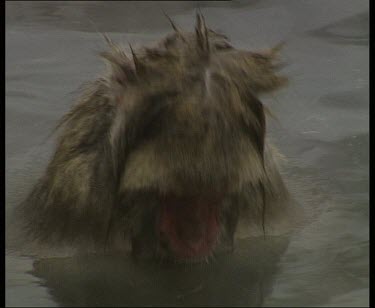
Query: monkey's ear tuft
[275,51]
[172,23]
[121,68]
[272,53]
[140,67]
[175,28]
[201,33]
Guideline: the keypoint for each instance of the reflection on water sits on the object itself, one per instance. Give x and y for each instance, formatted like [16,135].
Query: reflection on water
[241,279]
[323,131]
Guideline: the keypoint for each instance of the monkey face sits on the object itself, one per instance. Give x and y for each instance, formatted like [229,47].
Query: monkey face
[189,133]
[168,149]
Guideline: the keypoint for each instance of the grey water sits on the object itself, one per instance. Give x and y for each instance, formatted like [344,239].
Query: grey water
[322,129]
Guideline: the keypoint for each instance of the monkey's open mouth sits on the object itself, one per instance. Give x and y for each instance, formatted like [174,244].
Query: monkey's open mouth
[189,227]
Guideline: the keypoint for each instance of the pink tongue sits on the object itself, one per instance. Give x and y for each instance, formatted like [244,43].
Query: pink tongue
[190,225]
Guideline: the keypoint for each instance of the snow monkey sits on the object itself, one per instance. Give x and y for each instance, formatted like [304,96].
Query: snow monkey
[166,153]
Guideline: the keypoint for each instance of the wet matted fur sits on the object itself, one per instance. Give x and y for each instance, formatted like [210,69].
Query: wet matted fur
[167,152]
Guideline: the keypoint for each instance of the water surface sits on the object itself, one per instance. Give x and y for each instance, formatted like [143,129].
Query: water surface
[322,129]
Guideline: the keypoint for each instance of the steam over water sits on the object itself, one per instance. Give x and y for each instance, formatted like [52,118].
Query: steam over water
[322,130]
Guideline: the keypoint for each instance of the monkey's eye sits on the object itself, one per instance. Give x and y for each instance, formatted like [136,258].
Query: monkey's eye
[223,46]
